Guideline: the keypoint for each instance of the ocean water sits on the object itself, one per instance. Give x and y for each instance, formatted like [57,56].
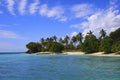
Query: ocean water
[58,67]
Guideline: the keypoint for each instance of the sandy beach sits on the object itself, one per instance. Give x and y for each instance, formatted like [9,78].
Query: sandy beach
[44,53]
[92,54]
[83,53]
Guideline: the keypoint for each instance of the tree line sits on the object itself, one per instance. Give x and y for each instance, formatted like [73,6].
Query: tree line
[88,44]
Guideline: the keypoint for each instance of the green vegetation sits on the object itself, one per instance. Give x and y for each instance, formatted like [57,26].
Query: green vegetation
[88,44]
[91,43]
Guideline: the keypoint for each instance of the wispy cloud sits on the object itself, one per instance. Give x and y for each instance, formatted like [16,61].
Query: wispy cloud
[107,19]
[26,7]
[10,6]
[33,7]
[9,34]
[73,34]
[8,25]
[55,12]
[81,10]
[22,6]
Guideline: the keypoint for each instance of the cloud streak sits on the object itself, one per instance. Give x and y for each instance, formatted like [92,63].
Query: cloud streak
[9,34]
[82,10]
[33,7]
[55,12]
[10,6]
[22,6]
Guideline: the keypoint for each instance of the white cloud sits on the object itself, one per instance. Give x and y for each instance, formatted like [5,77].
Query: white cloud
[73,34]
[9,34]
[104,19]
[55,12]
[22,6]
[33,7]
[82,10]
[10,6]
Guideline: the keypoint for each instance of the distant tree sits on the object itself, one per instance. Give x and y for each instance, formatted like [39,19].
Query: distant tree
[105,45]
[79,37]
[91,43]
[42,41]
[69,47]
[74,40]
[89,34]
[56,47]
[49,40]
[115,36]
[66,39]
[39,47]
[102,34]
[116,47]
[61,41]
[54,38]
[33,47]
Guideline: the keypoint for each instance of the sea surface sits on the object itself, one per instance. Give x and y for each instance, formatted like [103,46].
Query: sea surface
[21,66]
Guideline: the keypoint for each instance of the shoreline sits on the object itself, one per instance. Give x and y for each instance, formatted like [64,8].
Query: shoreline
[83,53]
[93,54]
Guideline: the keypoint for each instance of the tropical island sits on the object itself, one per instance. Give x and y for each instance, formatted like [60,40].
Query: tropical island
[88,44]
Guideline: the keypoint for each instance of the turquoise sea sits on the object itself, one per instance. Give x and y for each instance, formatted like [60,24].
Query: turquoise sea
[22,66]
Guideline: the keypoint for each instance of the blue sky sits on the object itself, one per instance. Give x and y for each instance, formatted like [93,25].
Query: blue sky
[22,21]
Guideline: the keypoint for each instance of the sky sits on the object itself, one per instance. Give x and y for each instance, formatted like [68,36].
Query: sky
[23,21]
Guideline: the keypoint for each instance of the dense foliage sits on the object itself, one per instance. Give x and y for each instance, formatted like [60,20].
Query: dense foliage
[89,43]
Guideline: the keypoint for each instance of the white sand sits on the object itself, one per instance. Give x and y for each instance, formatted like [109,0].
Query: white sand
[74,53]
[83,53]
[44,53]
[92,54]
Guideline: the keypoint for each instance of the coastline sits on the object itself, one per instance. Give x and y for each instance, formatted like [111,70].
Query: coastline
[83,53]
[93,54]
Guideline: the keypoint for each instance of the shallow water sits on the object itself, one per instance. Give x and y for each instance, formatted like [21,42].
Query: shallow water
[58,67]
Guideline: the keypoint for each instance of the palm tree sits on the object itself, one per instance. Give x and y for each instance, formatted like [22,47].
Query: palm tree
[79,37]
[89,35]
[61,41]
[66,39]
[42,41]
[102,34]
[54,38]
[74,39]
